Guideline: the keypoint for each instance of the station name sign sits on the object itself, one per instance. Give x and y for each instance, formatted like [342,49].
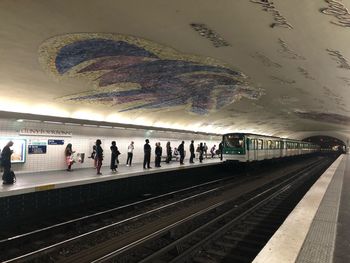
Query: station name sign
[42,132]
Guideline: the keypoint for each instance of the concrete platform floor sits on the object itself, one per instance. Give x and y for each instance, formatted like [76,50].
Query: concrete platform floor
[33,182]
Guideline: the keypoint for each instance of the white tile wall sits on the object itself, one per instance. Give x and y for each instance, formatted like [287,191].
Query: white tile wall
[83,139]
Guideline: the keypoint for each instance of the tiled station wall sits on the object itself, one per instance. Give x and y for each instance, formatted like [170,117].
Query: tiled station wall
[83,138]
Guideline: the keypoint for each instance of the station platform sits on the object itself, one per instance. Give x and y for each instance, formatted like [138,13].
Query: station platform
[317,230]
[42,181]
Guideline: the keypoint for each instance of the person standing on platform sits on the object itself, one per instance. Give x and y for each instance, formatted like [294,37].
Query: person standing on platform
[181,150]
[168,152]
[205,149]
[158,153]
[6,163]
[201,152]
[114,157]
[130,154]
[192,152]
[221,149]
[69,156]
[99,156]
[147,154]
[212,151]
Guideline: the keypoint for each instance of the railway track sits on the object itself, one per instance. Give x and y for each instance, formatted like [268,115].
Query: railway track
[235,234]
[67,245]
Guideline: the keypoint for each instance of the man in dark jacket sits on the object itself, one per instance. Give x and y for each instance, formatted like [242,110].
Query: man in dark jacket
[6,160]
[181,150]
[221,149]
[147,155]
[192,152]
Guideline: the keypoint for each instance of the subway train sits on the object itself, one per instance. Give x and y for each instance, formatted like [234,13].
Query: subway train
[246,147]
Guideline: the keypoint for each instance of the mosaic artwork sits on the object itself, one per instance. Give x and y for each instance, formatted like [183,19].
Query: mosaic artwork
[339,58]
[331,95]
[282,80]
[265,60]
[210,34]
[305,73]
[130,73]
[324,117]
[287,100]
[269,6]
[287,51]
[345,80]
[339,11]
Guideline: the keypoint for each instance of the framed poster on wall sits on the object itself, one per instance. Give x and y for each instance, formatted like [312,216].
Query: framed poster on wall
[19,149]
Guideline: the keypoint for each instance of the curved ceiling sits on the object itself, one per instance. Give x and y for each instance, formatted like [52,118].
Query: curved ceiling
[272,67]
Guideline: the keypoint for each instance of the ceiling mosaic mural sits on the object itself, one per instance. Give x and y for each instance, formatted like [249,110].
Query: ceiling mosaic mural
[262,66]
[132,73]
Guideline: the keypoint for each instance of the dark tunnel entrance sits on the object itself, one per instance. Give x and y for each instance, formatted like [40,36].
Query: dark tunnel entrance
[327,143]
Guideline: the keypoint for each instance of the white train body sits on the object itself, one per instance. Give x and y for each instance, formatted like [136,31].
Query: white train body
[244,147]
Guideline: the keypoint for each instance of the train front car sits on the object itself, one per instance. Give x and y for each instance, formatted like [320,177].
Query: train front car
[234,147]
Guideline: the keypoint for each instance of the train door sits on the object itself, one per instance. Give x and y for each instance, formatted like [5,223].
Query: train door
[248,147]
[281,148]
[255,151]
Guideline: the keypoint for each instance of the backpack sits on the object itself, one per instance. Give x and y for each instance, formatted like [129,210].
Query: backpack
[9,178]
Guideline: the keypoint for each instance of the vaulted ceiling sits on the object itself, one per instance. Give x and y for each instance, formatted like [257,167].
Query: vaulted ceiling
[272,67]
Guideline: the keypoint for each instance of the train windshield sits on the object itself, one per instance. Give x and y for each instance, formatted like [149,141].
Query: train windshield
[234,141]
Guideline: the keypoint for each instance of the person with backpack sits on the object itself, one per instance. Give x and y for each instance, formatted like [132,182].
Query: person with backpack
[201,152]
[181,150]
[8,176]
[168,152]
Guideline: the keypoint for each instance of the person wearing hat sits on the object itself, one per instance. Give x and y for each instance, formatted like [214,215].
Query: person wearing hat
[147,154]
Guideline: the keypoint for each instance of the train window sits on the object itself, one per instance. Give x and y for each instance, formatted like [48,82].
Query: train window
[269,144]
[278,145]
[260,144]
[234,141]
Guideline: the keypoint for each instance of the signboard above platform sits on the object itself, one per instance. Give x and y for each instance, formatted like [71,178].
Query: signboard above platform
[55,142]
[42,132]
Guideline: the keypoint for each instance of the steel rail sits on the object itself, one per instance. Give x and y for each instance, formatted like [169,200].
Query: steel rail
[105,212]
[152,211]
[160,232]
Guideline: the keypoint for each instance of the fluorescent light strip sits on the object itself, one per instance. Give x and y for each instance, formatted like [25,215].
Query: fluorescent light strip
[54,122]
[73,124]
[90,125]
[26,120]
[108,127]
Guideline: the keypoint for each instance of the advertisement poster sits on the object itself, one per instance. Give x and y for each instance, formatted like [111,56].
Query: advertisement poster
[18,148]
[37,147]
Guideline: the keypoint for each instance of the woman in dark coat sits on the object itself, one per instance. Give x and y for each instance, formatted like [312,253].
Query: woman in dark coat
[6,160]
[201,152]
[168,152]
[99,156]
[158,153]
[114,157]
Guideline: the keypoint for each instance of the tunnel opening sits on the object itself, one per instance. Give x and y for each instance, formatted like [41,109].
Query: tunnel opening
[327,143]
